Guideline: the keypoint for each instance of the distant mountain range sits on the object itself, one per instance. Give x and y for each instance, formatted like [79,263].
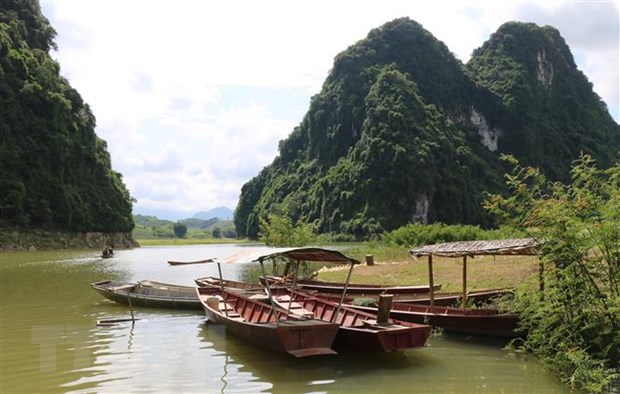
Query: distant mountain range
[219,212]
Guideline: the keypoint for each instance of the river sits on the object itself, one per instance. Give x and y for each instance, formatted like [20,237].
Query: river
[50,341]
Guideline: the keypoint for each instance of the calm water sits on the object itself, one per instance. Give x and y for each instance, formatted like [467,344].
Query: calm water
[50,342]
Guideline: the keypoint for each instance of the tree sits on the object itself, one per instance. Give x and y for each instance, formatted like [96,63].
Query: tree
[278,230]
[179,230]
[574,324]
[217,232]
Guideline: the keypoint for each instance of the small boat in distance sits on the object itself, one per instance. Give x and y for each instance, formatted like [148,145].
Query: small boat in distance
[172,262]
[107,253]
[148,293]
[266,325]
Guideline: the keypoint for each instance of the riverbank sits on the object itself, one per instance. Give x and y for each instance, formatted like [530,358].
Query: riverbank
[33,240]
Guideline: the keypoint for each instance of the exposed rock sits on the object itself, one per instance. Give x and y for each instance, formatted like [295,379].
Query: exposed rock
[489,136]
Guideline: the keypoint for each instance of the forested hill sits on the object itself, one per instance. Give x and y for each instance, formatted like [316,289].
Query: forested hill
[55,171]
[402,131]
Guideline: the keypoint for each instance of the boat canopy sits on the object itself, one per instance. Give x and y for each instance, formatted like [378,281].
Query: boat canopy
[312,254]
[515,246]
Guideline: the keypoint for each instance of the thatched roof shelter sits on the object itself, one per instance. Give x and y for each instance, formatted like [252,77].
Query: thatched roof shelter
[464,249]
[516,246]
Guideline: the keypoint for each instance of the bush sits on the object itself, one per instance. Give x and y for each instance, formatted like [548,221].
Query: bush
[574,324]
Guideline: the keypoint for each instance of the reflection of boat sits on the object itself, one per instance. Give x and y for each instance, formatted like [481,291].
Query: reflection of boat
[267,325]
[354,289]
[471,321]
[172,262]
[359,331]
[149,293]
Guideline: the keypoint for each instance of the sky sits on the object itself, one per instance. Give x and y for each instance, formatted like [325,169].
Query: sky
[193,96]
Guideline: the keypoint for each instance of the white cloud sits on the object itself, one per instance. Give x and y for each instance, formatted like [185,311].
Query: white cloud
[193,96]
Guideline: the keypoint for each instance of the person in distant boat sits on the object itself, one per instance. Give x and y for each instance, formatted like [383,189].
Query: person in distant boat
[107,252]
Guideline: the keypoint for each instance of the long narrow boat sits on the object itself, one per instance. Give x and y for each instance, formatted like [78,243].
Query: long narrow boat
[210,281]
[358,330]
[356,290]
[173,262]
[266,325]
[445,299]
[488,322]
[149,294]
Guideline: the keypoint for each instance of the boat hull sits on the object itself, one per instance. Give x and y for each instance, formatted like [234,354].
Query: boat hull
[254,322]
[487,322]
[149,296]
[358,330]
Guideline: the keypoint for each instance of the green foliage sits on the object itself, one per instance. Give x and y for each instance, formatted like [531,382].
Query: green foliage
[56,173]
[574,323]
[149,227]
[279,230]
[179,230]
[394,136]
[217,232]
[417,234]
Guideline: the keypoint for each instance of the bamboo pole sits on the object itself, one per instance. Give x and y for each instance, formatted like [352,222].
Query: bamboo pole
[344,292]
[273,305]
[290,298]
[219,269]
[430,281]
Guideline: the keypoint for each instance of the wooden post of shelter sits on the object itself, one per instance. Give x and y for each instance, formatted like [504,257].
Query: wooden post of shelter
[430,281]
[464,300]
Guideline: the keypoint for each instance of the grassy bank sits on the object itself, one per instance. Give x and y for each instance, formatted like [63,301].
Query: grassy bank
[396,267]
[189,241]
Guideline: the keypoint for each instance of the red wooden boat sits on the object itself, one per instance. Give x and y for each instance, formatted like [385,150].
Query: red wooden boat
[446,299]
[471,321]
[266,325]
[358,330]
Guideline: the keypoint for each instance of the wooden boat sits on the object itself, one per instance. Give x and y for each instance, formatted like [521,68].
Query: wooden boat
[266,325]
[472,321]
[359,331]
[355,290]
[445,299]
[172,262]
[149,294]
[210,281]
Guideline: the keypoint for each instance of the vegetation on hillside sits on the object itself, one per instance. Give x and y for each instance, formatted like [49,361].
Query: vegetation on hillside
[150,227]
[402,132]
[56,173]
